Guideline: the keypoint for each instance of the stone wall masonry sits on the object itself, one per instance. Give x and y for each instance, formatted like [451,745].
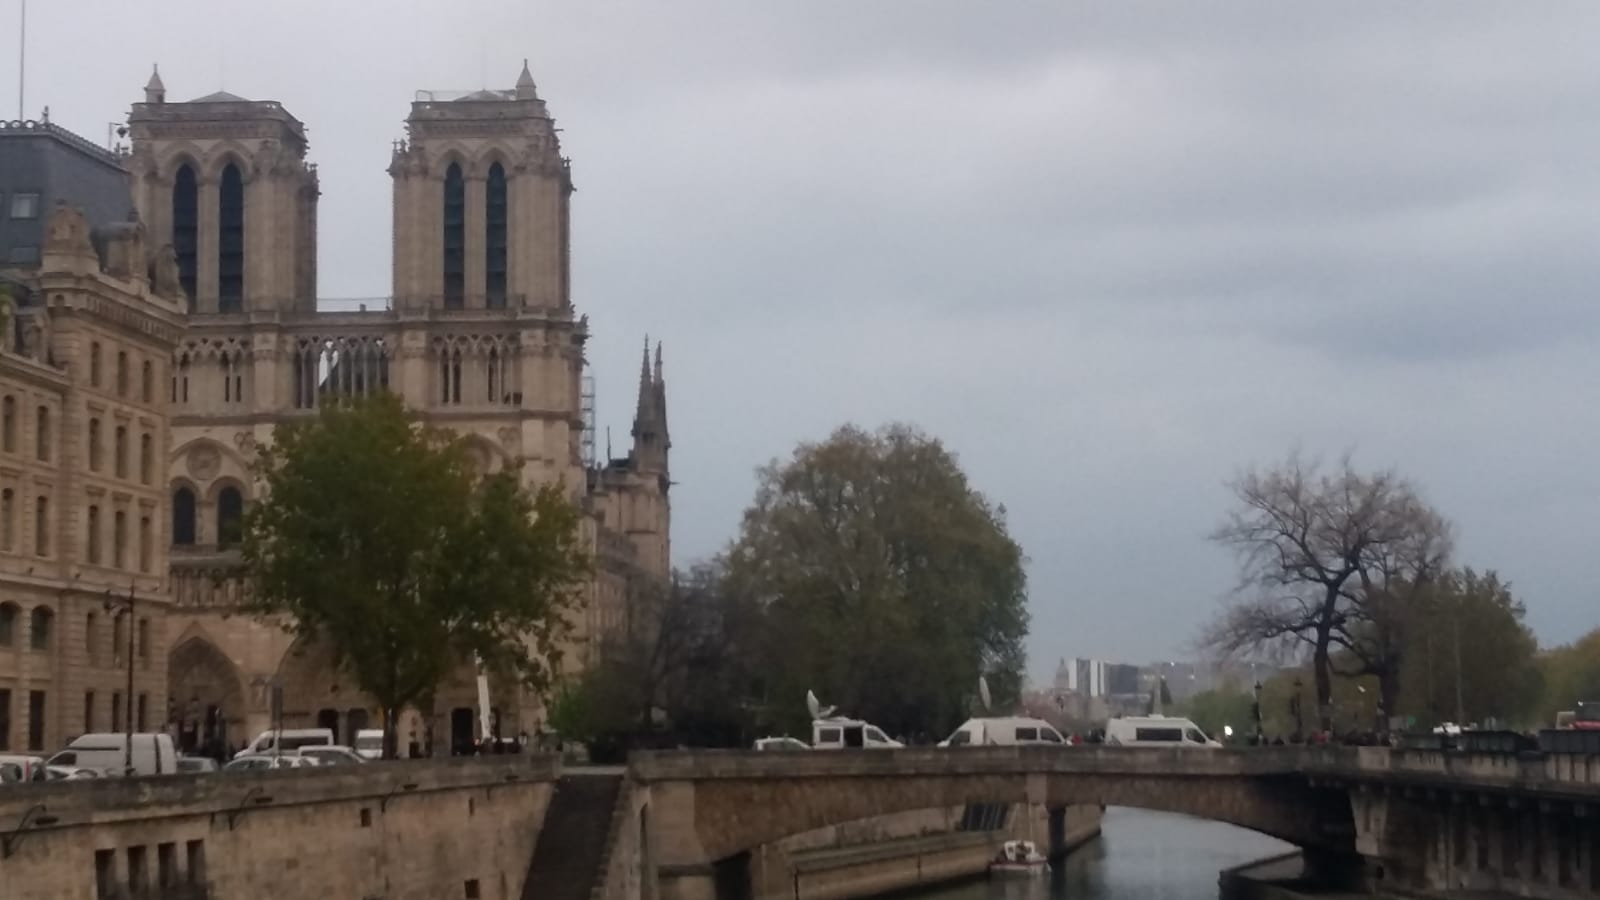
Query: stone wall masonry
[425,830]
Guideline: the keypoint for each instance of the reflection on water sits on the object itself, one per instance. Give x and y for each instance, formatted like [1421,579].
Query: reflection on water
[1139,856]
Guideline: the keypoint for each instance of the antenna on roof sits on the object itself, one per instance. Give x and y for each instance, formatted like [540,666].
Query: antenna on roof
[22,61]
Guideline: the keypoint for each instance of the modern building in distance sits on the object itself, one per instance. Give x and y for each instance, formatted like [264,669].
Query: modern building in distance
[90,311]
[479,334]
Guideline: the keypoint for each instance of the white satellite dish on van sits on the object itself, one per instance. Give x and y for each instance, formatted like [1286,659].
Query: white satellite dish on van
[983,692]
[818,711]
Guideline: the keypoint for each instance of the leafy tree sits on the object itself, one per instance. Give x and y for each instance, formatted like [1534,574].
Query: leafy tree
[1571,675]
[1213,710]
[884,582]
[1471,624]
[375,535]
[1309,544]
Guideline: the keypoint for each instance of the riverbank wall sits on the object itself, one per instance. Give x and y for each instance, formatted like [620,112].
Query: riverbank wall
[904,851]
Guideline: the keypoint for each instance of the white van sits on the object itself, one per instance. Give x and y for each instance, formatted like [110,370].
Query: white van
[1003,731]
[287,740]
[1157,731]
[153,753]
[840,733]
[369,743]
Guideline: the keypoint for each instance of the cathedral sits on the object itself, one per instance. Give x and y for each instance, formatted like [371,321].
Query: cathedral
[192,328]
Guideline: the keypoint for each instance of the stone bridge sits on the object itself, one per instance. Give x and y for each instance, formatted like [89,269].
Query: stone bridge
[1364,813]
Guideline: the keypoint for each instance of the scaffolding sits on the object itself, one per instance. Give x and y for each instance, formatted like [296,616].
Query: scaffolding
[586,407]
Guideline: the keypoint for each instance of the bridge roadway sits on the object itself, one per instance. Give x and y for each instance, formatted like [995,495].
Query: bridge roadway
[707,806]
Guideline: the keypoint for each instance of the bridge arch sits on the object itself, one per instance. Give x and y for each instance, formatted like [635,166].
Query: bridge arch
[732,803]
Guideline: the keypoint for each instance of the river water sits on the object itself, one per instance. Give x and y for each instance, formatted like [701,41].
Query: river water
[1139,856]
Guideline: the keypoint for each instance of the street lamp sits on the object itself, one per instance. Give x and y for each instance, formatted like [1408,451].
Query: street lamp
[127,606]
[1255,712]
[1294,710]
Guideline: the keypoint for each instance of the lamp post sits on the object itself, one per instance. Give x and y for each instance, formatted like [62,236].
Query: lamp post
[127,722]
[1294,710]
[1255,712]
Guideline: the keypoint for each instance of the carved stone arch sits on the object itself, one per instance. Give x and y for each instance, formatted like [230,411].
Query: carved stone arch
[450,152]
[315,686]
[230,152]
[206,459]
[484,455]
[176,157]
[497,152]
[227,481]
[206,692]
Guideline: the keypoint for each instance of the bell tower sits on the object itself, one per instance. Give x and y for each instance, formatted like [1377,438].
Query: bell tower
[481,197]
[226,181]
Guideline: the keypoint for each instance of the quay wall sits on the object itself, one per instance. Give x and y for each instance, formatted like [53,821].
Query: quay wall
[415,830]
[899,851]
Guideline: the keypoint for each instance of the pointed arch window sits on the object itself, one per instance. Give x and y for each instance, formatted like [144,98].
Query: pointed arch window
[455,238]
[494,263]
[8,424]
[230,241]
[183,517]
[186,228]
[230,517]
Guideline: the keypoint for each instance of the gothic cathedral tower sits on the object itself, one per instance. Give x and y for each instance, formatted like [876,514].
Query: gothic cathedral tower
[481,203]
[225,180]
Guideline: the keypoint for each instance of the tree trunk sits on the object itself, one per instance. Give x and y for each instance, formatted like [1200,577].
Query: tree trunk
[1388,692]
[391,731]
[1322,671]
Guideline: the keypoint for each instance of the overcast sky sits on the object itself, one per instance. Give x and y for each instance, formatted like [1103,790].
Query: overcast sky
[1110,254]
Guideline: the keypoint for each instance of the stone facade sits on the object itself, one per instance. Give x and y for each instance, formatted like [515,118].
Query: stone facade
[153,354]
[412,831]
[479,335]
[86,336]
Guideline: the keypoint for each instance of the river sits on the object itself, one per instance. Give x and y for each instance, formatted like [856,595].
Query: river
[1139,856]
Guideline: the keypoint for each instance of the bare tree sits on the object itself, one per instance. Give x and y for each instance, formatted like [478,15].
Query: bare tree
[1303,539]
[1387,604]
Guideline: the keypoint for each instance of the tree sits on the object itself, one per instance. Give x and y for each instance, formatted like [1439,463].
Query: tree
[375,535]
[1571,675]
[1471,656]
[1396,581]
[1303,540]
[885,583]
[1216,710]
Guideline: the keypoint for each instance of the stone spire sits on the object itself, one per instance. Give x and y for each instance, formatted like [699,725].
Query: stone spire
[643,408]
[525,86]
[154,90]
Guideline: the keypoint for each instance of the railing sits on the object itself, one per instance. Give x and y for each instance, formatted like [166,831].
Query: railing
[45,126]
[437,303]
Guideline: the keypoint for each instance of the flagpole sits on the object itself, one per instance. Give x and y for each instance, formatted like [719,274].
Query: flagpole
[22,60]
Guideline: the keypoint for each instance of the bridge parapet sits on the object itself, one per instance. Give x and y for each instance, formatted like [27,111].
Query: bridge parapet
[1533,773]
[710,765]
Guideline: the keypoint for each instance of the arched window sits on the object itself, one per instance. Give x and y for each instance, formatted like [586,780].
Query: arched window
[122,373]
[41,526]
[120,448]
[147,381]
[144,642]
[230,241]
[94,445]
[119,641]
[39,628]
[92,542]
[41,437]
[186,229]
[8,623]
[8,424]
[230,517]
[8,519]
[91,638]
[94,363]
[119,539]
[146,544]
[146,457]
[455,238]
[494,264]
[183,526]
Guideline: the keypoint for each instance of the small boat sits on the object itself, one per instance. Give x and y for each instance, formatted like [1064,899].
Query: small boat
[1019,858]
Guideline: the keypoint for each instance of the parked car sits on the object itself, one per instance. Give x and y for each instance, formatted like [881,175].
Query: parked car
[15,768]
[261,762]
[153,753]
[781,743]
[332,755]
[70,773]
[196,765]
[286,740]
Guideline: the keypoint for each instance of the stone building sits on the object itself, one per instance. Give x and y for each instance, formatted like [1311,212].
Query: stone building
[479,335]
[89,318]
